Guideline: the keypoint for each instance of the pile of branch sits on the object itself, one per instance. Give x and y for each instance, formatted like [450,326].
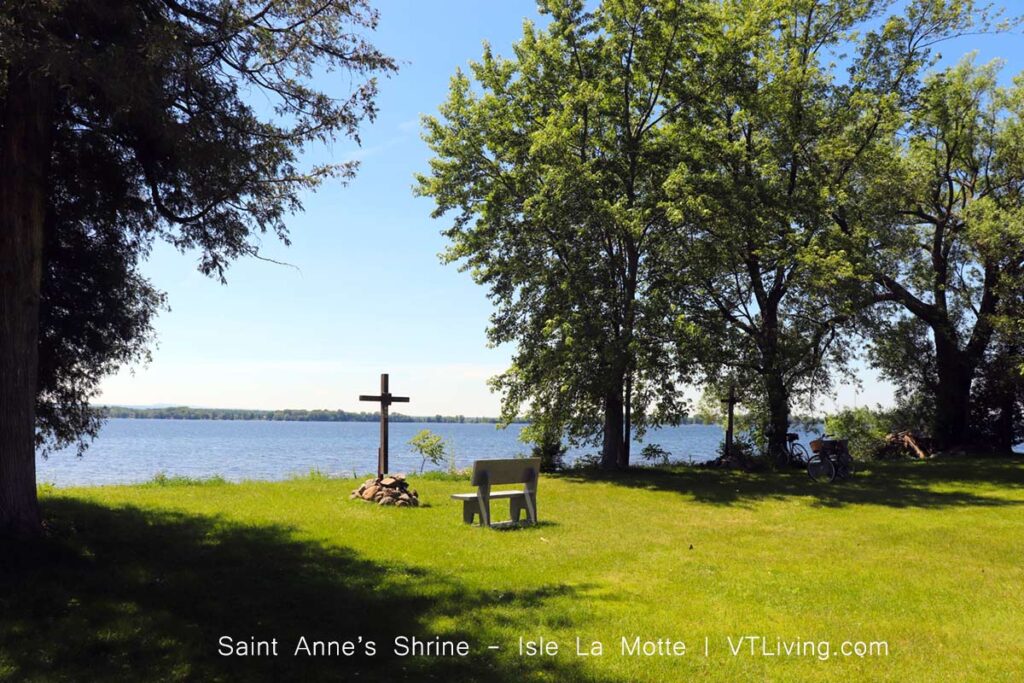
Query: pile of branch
[737,460]
[903,444]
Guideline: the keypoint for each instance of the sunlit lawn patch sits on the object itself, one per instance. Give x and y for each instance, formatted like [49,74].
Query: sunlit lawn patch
[142,581]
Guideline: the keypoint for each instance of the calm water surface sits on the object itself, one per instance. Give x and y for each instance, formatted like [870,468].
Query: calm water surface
[133,450]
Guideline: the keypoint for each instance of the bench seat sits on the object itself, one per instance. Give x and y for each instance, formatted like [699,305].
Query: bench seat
[487,473]
[494,494]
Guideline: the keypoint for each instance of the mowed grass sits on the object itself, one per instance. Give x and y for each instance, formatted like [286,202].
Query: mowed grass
[140,582]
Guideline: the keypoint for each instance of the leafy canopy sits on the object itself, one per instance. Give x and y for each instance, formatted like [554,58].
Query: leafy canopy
[177,120]
[552,165]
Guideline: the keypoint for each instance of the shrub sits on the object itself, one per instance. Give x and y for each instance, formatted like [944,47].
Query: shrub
[863,428]
[316,474]
[442,475]
[590,461]
[744,449]
[161,479]
[551,453]
[655,454]
[430,446]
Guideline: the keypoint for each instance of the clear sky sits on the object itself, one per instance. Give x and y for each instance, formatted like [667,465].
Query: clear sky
[369,294]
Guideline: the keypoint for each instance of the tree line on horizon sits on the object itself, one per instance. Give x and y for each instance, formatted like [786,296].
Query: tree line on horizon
[743,193]
[286,415]
[300,415]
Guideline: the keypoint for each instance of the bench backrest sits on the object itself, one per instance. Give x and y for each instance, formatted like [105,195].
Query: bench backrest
[511,471]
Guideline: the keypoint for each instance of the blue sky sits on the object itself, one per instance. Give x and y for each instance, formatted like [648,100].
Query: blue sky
[368,294]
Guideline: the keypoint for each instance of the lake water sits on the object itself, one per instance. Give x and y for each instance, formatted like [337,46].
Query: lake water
[133,450]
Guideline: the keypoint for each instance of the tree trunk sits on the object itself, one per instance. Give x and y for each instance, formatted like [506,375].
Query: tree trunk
[952,394]
[1008,386]
[775,386]
[24,159]
[627,429]
[1004,426]
[778,417]
[613,423]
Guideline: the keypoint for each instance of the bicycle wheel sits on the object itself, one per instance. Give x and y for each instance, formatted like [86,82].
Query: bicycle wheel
[820,468]
[798,455]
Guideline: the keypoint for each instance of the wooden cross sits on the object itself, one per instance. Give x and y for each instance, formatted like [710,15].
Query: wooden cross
[732,401]
[385,399]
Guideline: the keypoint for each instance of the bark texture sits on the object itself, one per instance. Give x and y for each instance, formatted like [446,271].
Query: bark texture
[611,452]
[24,162]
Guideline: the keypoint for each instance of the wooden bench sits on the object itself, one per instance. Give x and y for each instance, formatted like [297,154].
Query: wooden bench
[488,473]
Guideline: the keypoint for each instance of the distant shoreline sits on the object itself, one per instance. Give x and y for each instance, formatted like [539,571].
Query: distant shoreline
[187,413]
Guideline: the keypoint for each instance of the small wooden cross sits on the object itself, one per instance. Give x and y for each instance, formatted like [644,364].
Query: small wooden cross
[732,401]
[385,399]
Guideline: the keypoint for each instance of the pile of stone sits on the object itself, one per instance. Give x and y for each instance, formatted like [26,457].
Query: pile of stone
[388,490]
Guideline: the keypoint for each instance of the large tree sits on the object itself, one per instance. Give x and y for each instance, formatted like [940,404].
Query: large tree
[553,162]
[122,123]
[768,156]
[946,249]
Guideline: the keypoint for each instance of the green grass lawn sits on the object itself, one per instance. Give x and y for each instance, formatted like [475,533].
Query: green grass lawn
[140,582]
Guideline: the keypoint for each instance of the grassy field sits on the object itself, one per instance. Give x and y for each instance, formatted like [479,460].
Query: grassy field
[140,582]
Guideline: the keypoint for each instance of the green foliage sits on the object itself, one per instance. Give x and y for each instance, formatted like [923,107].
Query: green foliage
[646,189]
[709,408]
[431,447]
[864,428]
[771,296]
[551,164]
[750,418]
[945,251]
[655,454]
[96,309]
[149,135]
[162,480]
[745,449]
[546,436]
[315,474]
[551,454]
[587,461]
[997,395]
[446,475]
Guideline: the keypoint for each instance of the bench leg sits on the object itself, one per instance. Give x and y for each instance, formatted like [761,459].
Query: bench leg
[469,509]
[485,512]
[530,501]
[517,505]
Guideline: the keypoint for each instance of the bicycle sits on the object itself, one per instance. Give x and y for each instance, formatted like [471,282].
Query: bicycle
[796,454]
[831,460]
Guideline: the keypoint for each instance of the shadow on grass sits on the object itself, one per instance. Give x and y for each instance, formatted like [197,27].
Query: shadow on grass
[130,594]
[930,484]
[510,526]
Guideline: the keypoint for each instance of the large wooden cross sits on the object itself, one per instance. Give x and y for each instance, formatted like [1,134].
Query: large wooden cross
[385,399]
